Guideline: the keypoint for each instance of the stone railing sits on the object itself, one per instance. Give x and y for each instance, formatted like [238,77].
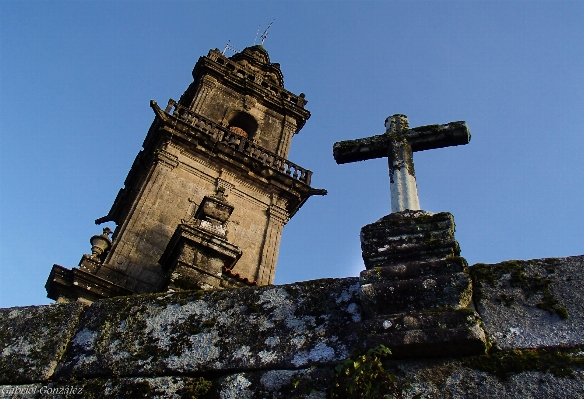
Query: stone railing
[239,143]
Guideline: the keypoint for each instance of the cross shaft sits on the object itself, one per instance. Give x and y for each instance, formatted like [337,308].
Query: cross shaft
[398,144]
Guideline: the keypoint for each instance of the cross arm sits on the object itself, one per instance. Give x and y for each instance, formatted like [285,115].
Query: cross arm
[361,149]
[438,136]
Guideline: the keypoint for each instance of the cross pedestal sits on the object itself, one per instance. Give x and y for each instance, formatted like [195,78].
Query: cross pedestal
[415,291]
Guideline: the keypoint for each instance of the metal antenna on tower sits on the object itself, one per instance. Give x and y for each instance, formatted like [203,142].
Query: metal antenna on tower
[265,34]
[256,38]
[229,47]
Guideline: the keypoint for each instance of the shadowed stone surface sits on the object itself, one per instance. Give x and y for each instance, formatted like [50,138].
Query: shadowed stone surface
[445,378]
[33,339]
[524,303]
[289,326]
[452,379]
[427,334]
[408,236]
[417,294]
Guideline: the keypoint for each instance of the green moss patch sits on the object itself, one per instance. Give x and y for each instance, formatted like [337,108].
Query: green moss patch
[530,283]
[503,364]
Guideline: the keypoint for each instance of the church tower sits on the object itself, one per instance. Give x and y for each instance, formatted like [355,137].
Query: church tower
[206,199]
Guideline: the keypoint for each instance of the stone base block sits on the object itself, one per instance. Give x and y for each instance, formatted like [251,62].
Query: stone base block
[417,294]
[195,258]
[445,333]
[408,236]
[413,269]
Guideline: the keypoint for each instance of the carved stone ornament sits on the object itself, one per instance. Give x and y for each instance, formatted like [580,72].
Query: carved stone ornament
[248,102]
[101,244]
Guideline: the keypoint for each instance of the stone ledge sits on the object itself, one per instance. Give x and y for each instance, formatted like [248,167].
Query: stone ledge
[413,269]
[523,303]
[436,378]
[283,327]
[417,294]
[462,341]
[441,333]
[33,340]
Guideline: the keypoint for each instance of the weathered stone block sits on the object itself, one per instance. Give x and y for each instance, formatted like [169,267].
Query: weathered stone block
[408,236]
[33,340]
[531,304]
[441,333]
[413,269]
[283,327]
[194,258]
[417,294]
[461,379]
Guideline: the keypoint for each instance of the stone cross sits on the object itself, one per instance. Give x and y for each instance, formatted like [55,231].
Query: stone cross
[397,144]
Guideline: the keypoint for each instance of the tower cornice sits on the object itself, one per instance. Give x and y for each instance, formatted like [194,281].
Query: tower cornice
[262,81]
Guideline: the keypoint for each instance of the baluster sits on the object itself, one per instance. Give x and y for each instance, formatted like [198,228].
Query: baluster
[233,140]
[277,164]
[169,106]
[241,145]
[220,135]
[307,176]
[295,175]
[257,153]
[249,148]
[282,165]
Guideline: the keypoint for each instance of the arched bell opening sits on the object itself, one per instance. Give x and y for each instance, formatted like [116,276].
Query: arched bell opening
[243,124]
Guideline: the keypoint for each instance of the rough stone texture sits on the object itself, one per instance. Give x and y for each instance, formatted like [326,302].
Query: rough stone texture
[416,269]
[408,236]
[453,379]
[289,327]
[33,339]
[427,334]
[523,303]
[437,379]
[417,294]
[416,289]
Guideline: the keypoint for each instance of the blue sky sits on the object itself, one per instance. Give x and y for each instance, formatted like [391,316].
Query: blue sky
[76,79]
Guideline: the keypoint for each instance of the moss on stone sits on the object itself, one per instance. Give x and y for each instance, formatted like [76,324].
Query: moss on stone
[534,284]
[197,389]
[560,363]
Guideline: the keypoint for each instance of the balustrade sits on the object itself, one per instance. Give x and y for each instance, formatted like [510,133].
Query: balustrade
[238,143]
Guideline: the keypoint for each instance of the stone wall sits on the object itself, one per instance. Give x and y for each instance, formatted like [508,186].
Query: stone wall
[284,341]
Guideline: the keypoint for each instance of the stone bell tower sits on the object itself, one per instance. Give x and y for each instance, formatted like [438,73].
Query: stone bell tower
[205,201]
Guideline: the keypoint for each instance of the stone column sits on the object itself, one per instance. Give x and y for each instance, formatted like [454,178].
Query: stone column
[288,130]
[277,219]
[208,83]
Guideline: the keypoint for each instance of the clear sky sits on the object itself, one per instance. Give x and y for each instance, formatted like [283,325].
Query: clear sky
[76,78]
